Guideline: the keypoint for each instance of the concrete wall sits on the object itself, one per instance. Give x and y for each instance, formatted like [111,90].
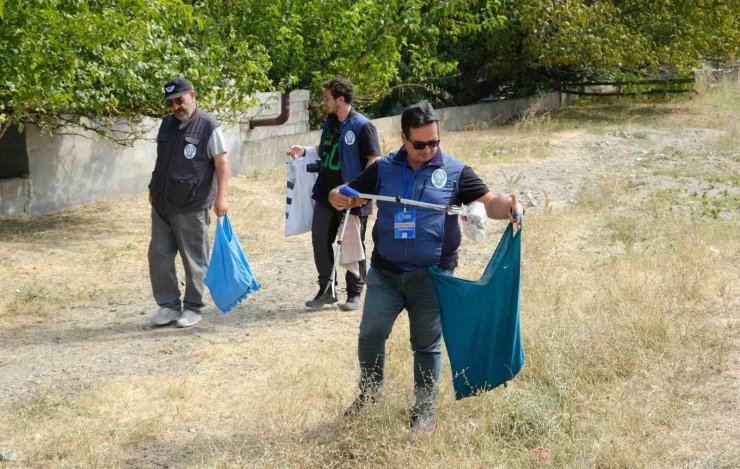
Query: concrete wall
[69,170]
[266,146]
[66,170]
[15,196]
[271,151]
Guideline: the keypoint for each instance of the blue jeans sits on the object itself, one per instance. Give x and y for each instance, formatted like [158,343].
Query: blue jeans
[388,294]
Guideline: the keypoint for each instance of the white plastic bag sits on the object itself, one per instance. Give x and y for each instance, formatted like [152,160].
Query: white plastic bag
[352,252]
[298,203]
[475,221]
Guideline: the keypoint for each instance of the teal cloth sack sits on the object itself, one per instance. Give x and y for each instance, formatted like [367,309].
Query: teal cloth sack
[480,320]
[229,276]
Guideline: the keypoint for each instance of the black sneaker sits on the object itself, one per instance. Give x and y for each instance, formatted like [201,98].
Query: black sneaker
[353,302]
[322,298]
[357,405]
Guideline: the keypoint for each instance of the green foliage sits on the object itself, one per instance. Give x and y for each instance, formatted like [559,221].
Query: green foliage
[682,32]
[73,58]
[542,41]
[439,34]
[379,46]
[108,59]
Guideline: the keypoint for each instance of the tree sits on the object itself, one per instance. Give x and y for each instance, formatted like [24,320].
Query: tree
[545,41]
[383,47]
[63,61]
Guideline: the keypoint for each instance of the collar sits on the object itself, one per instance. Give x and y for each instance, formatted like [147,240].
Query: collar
[352,113]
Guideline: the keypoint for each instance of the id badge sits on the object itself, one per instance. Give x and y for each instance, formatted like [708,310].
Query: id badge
[404,224]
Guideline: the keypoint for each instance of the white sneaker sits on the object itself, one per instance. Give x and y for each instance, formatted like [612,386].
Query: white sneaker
[165,316]
[188,318]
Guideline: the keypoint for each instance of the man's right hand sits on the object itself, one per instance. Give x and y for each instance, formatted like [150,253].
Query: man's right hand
[296,150]
[151,199]
[341,202]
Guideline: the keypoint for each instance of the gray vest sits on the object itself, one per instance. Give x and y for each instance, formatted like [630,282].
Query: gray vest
[183,177]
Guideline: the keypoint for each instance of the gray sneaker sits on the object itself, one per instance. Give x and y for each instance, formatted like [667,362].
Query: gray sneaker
[322,298]
[353,303]
[165,316]
[188,318]
[423,421]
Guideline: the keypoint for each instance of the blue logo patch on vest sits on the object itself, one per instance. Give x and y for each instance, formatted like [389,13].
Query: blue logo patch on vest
[439,178]
[169,88]
[349,137]
[190,151]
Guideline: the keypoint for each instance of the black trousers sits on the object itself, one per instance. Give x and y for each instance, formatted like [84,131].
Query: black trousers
[324,227]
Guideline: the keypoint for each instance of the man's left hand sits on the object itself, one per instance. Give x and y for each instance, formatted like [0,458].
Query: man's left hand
[221,206]
[516,212]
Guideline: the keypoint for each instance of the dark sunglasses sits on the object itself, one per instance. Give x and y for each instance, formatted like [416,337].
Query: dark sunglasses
[423,145]
[178,101]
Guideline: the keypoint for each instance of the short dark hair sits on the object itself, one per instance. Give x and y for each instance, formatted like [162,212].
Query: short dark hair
[340,87]
[418,115]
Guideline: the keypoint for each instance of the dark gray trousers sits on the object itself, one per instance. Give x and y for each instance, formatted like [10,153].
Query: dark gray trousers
[186,233]
[324,227]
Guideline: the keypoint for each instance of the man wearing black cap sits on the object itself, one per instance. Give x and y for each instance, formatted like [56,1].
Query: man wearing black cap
[191,154]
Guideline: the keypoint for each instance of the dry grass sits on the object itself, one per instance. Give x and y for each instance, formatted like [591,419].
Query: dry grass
[629,321]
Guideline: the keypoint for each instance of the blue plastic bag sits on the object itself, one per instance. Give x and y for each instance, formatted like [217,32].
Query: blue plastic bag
[480,320]
[229,276]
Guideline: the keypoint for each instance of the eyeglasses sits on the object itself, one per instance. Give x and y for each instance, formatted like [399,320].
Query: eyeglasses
[178,101]
[422,145]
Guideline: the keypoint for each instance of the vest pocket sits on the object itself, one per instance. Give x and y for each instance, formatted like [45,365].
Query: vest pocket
[182,190]
[155,185]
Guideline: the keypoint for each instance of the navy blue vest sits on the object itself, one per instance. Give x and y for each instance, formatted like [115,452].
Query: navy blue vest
[349,151]
[183,175]
[436,182]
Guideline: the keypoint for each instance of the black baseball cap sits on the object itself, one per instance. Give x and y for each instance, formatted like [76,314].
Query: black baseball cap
[176,88]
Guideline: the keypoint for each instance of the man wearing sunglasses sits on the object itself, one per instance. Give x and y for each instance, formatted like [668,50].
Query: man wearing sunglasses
[191,174]
[407,241]
[349,143]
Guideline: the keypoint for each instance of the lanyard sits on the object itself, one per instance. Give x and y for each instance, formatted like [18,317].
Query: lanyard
[407,186]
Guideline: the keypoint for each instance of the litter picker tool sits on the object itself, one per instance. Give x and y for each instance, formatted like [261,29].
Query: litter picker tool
[349,192]
[451,209]
[337,252]
[474,217]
